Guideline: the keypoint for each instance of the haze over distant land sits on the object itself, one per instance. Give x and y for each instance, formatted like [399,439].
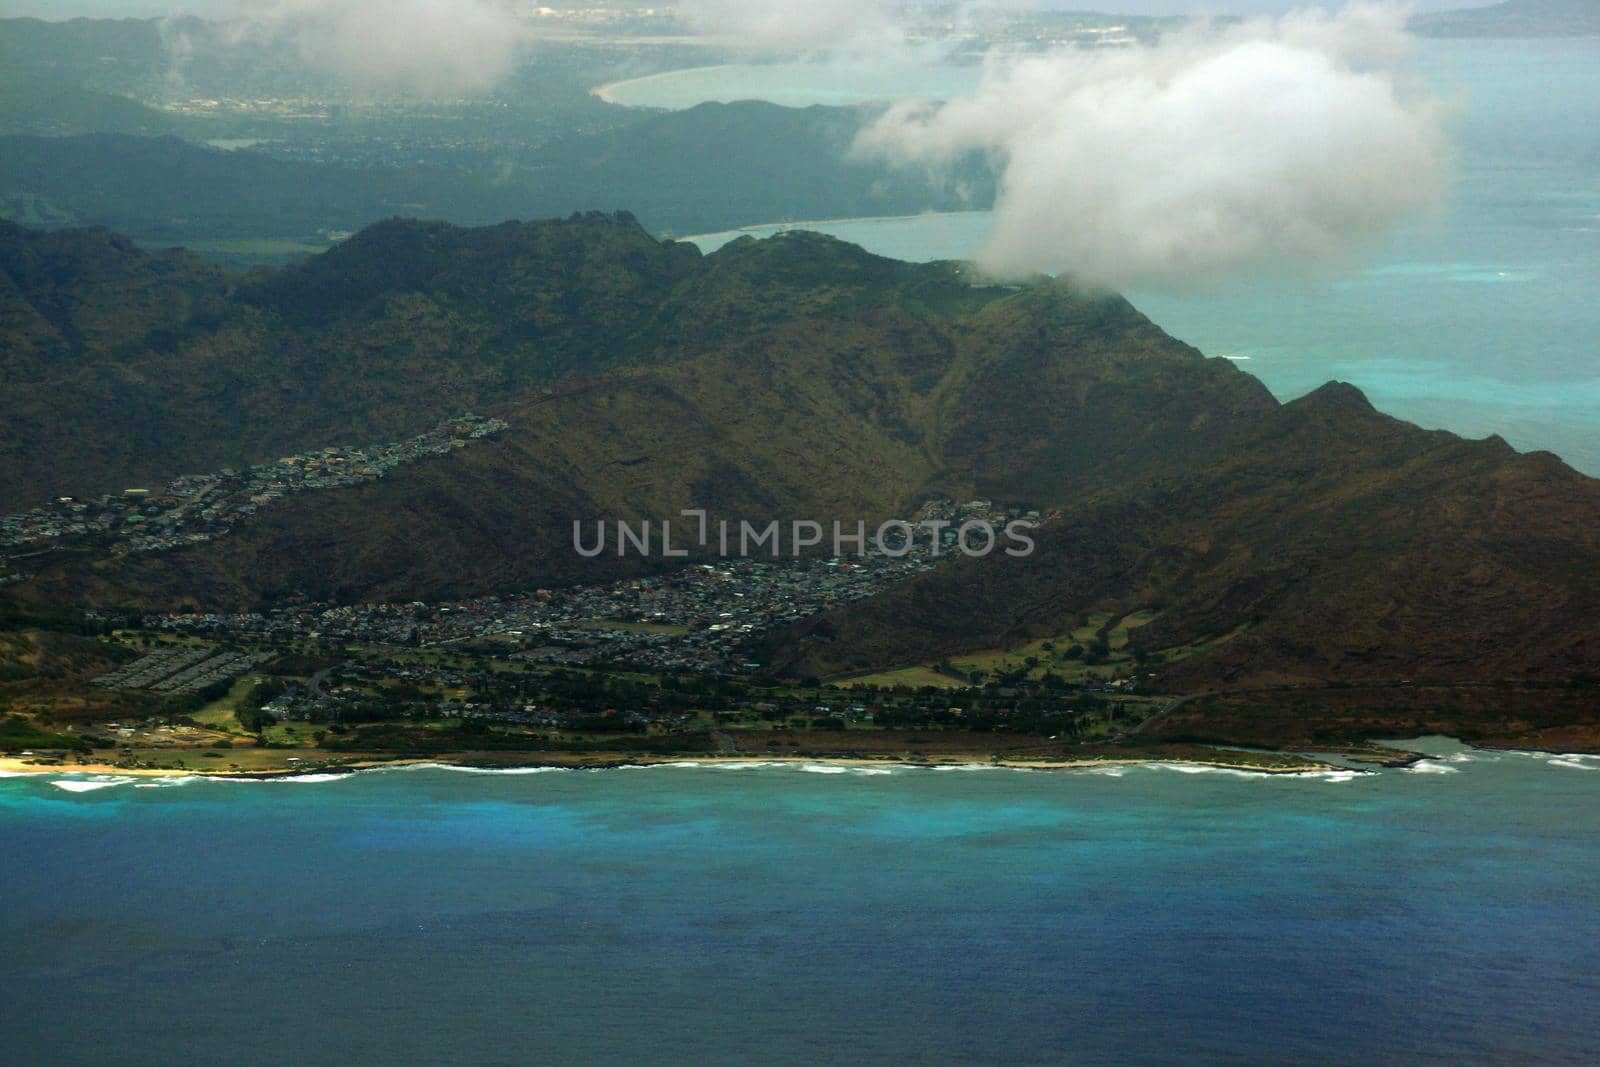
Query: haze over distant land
[1514,18]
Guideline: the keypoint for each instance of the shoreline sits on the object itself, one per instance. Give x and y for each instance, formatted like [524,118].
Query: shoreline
[603,92]
[800,224]
[1309,764]
[14,767]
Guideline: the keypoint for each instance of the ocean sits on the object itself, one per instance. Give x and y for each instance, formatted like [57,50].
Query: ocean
[1482,320]
[796,914]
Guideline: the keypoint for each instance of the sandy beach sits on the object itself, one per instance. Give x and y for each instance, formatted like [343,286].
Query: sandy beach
[606,92]
[19,766]
[11,765]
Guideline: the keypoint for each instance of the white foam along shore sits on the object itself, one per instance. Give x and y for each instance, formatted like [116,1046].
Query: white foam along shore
[91,778]
[85,779]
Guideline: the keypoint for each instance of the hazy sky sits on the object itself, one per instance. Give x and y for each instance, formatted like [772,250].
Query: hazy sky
[60,9]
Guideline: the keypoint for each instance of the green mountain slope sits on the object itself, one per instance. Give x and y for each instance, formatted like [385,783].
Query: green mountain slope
[1322,541]
[795,378]
[125,367]
[1260,544]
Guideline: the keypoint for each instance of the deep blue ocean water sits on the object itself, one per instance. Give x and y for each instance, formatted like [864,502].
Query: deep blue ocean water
[1448,914]
[1485,319]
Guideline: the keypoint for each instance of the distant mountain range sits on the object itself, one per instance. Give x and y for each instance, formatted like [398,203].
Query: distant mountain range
[112,122]
[1513,18]
[800,377]
[713,167]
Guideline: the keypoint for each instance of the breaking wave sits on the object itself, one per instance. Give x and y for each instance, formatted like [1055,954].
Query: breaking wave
[835,768]
[1432,766]
[89,785]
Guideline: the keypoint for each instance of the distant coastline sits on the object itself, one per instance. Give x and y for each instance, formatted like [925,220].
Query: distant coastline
[755,229]
[858,86]
[607,91]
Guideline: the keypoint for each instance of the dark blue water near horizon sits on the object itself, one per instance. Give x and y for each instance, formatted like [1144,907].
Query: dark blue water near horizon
[799,915]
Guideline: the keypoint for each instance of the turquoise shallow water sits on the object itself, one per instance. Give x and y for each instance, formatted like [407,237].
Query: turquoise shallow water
[1483,320]
[784,915]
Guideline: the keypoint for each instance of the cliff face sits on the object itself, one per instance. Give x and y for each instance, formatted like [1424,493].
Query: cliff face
[801,377]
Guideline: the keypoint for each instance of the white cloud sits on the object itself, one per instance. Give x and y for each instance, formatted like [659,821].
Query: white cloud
[1286,145]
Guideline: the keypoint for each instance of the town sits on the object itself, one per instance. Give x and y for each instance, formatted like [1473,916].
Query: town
[195,508]
[701,617]
[641,655]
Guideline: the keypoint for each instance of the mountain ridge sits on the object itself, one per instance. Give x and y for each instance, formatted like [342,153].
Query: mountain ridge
[712,167]
[801,377]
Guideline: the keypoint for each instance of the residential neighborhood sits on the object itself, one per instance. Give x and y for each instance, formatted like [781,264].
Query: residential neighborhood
[200,507]
[700,617]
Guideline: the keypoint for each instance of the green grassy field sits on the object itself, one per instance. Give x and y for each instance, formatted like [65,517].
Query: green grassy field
[915,677]
[221,714]
[1035,659]
[1052,655]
